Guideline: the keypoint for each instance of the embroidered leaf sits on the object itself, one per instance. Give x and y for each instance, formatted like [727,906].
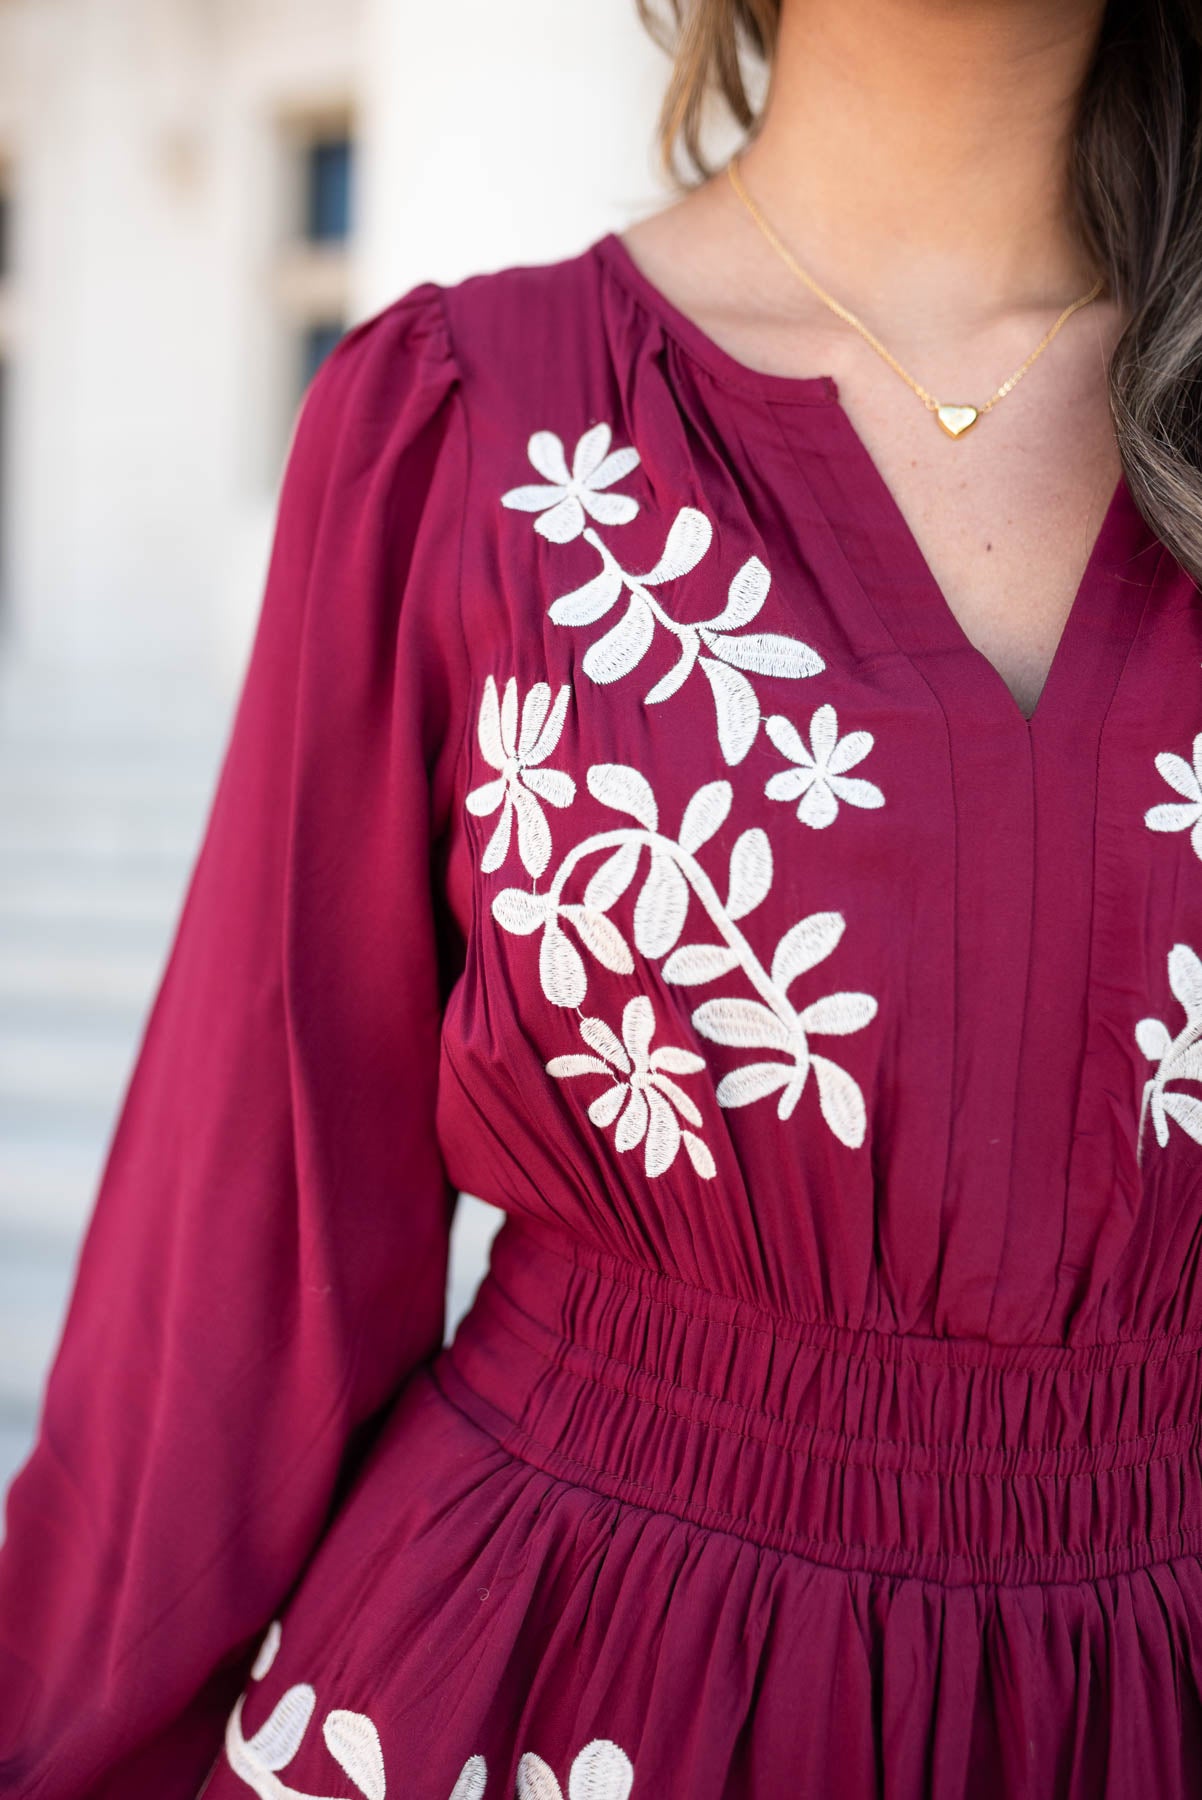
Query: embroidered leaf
[561,969]
[601,1771]
[584,605]
[1153,1038]
[766,654]
[551,730]
[488,725]
[535,1780]
[1186,1110]
[534,714]
[551,785]
[564,1067]
[610,881]
[684,1103]
[663,1134]
[737,709]
[605,1041]
[839,1013]
[624,645]
[661,908]
[699,1155]
[1185,978]
[608,1104]
[278,1739]
[497,847]
[792,1094]
[694,964]
[638,1028]
[750,872]
[519,911]
[705,813]
[473,1779]
[677,675]
[354,1743]
[746,595]
[633,1123]
[688,540]
[804,945]
[268,1650]
[753,1082]
[626,790]
[733,1020]
[534,834]
[1178,774]
[678,1061]
[1187,1064]
[600,935]
[842,1102]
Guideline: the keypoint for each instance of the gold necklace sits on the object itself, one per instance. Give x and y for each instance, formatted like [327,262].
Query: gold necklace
[955,420]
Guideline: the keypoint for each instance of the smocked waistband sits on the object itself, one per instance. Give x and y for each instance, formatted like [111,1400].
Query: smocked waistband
[954,1459]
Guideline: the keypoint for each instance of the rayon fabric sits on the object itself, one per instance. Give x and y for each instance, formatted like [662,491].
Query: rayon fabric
[616,823]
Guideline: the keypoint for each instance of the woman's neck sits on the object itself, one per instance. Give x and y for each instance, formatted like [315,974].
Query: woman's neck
[919,149]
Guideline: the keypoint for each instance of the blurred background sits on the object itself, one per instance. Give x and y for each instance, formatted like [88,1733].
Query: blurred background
[197,197]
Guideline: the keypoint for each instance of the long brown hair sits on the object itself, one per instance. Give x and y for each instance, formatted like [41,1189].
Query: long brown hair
[1136,177]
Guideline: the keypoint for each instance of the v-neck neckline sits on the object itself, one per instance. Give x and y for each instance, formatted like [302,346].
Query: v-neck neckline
[882,554]
[880,550]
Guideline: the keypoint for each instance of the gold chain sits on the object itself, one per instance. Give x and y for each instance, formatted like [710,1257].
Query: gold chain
[955,420]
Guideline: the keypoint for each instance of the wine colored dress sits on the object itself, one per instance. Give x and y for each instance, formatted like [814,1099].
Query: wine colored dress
[616,823]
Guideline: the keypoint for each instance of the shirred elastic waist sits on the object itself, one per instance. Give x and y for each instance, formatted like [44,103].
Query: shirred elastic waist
[953,1459]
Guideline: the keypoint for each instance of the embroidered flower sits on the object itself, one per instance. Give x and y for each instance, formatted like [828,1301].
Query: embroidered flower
[1178,1058]
[820,777]
[521,783]
[568,495]
[601,1771]
[642,1094]
[1187,781]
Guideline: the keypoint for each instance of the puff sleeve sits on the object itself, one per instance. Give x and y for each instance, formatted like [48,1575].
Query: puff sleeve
[266,1258]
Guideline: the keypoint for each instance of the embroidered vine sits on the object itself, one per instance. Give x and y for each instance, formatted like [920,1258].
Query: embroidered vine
[673,880]
[1177,1058]
[719,646]
[601,1771]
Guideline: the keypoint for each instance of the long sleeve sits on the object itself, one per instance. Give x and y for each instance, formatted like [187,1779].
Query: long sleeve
[266,1258]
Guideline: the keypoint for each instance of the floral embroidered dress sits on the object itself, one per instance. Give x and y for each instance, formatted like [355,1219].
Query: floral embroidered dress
[617,824]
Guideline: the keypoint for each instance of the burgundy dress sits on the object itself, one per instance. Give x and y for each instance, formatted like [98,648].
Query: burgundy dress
[618,824]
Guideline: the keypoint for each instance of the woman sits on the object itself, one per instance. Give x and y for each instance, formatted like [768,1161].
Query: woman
[726,788]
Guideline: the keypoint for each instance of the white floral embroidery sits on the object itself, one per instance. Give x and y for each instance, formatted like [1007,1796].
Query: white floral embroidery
[820,778]
[1186,779]
[521,782]
[1178,1058]
[601,1771]
[641,1095]
[719,646]
[568,495]
[674,877]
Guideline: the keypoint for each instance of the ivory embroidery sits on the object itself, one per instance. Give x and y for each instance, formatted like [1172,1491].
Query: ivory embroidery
[641,1094]
[1177,1058]
[521,782]
[567,495]
[673,880]
[601,1771]
[718,645]
[1186,779]
[820,780]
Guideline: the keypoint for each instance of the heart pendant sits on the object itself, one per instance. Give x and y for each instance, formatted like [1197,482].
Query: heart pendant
[956,420]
